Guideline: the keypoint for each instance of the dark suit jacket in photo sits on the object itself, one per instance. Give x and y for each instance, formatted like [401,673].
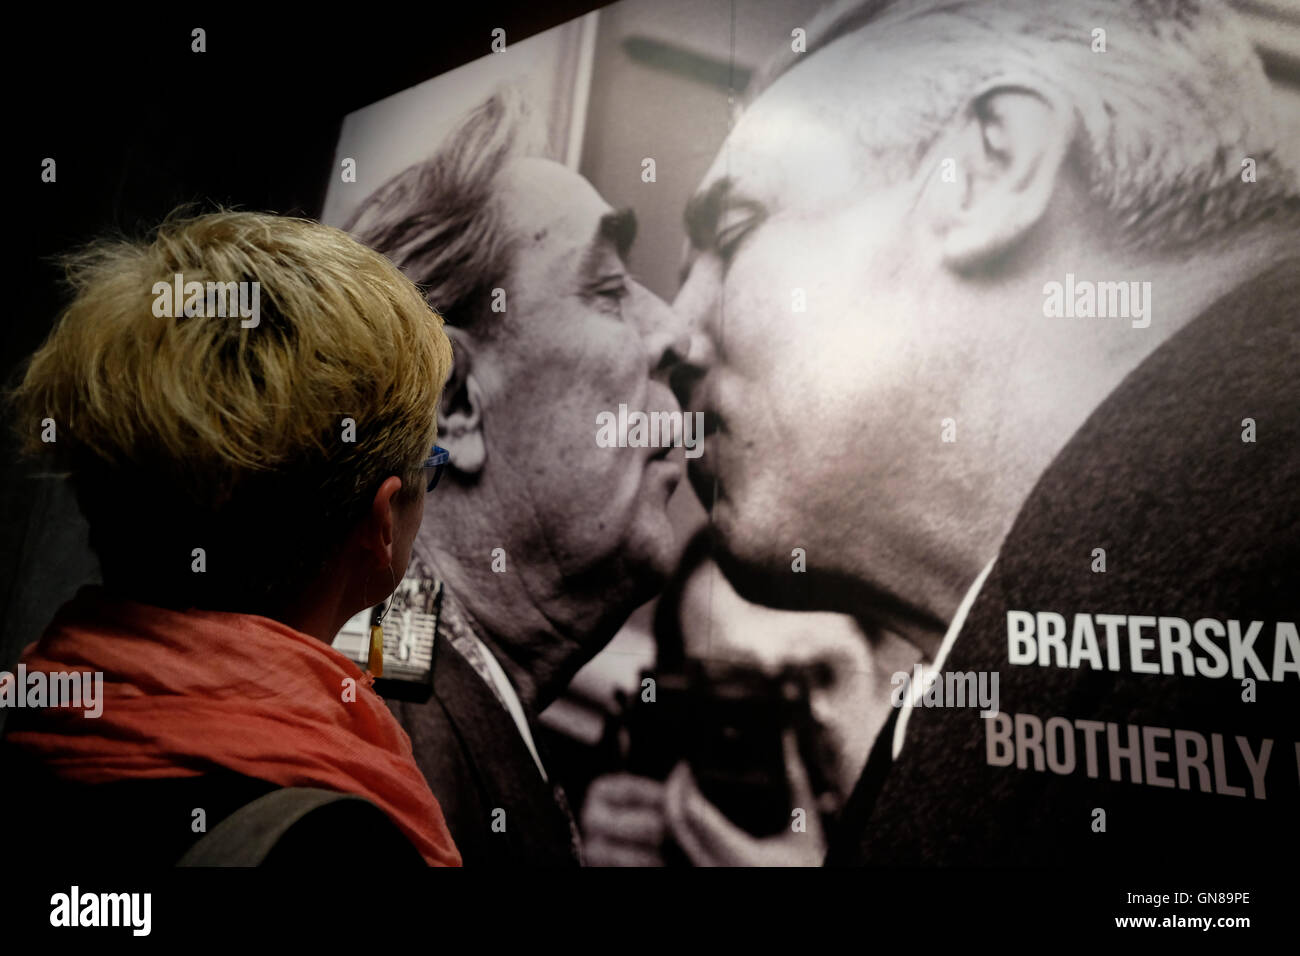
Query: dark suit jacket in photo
[1195,522]
[476,762]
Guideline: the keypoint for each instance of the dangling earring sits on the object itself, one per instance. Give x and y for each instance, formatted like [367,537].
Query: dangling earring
[375,663]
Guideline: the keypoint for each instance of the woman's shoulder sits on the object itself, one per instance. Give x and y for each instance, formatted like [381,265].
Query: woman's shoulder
[155,822]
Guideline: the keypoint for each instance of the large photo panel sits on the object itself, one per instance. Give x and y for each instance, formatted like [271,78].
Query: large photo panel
[859,401]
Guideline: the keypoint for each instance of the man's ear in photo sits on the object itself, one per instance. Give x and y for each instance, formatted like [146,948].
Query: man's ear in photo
[460,414]
[991,179]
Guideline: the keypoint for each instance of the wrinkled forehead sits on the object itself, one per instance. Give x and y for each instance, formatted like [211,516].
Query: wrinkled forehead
[548,207]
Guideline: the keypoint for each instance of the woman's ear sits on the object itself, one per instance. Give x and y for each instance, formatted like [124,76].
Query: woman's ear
[379,532]
[992,178]
[460,414]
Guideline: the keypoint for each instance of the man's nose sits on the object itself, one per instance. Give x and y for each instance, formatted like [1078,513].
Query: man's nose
[694,306]
[666,335]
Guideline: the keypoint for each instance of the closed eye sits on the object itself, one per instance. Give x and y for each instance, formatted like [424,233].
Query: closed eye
[733,227]
[612,290]
[728,242]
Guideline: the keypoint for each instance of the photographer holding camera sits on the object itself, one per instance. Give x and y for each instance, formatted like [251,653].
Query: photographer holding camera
[768,715]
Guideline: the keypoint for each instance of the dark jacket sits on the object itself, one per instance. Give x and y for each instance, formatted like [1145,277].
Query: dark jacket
[476,763]
[149,823]
[1195,523]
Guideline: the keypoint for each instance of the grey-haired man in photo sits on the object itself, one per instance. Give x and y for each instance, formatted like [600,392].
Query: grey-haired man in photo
[541,541]
[1039,415]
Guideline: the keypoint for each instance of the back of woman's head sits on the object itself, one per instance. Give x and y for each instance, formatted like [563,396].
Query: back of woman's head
[224,437]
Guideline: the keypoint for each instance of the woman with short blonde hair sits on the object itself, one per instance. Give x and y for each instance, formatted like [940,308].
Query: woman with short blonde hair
[246,406]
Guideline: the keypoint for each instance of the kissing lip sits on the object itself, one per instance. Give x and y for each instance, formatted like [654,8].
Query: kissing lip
[703,479]
[660,465]
[713,422]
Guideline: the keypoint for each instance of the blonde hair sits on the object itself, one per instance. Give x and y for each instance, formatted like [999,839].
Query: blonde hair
[294,421]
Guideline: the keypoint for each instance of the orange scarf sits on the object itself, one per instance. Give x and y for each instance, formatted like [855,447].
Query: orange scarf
[188,691]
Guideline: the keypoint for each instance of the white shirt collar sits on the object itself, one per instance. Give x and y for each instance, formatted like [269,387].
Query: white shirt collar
[506,693]
[949,639]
